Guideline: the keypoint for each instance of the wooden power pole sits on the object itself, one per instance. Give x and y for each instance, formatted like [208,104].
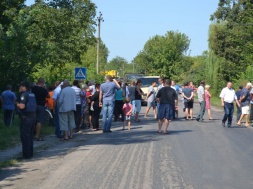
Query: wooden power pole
[99,18]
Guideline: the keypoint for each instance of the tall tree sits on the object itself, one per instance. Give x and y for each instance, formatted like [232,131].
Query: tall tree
[119,64]
[232,35]
[51,33]
[163,54]
[88,60]
[8,9]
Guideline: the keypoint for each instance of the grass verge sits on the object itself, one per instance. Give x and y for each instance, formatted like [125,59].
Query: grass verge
[215,101]
[8,163]
[10,136]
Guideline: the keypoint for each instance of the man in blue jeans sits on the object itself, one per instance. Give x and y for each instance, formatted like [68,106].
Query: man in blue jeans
[228,97]
[107,93]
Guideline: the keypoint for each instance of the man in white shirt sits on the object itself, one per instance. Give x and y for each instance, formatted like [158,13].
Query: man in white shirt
[77,112]
[228,97]
[55,97]
[202,102]
[151,99]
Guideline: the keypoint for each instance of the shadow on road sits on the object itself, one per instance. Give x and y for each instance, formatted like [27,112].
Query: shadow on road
[177,132]
[55,149]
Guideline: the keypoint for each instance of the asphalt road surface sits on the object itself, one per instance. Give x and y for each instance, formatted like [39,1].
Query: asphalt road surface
[192,155]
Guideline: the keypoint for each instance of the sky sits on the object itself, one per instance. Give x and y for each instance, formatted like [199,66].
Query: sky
[129,24]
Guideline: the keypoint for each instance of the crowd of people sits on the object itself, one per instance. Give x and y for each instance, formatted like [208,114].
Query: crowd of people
[80,105]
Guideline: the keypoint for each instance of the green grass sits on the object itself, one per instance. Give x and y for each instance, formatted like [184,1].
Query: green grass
[8,163]
[216,101]
[10,136]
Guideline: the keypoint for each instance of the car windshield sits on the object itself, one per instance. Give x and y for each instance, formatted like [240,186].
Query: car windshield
[133,76]
[146,82]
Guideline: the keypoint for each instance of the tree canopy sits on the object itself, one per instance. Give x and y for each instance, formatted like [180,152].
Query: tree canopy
[232,36]
[52,33]
[163,55]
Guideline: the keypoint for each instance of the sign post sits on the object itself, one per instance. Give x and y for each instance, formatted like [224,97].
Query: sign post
[80,73]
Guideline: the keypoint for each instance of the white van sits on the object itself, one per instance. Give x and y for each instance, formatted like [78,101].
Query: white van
[146,82]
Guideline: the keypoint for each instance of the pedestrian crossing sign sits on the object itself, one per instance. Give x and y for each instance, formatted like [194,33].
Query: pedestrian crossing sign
[80,73]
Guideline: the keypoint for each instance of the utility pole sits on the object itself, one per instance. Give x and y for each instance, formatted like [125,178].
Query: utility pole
[99,18]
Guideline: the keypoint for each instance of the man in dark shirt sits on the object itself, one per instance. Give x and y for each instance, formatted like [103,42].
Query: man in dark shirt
[245,101]
[26,108]
[41,94]
[238,95]
[167,97]
[187,93]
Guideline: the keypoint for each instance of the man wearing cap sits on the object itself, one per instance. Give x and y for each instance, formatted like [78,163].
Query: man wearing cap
[26,108]
[228,97]
[245,101]
[8,99]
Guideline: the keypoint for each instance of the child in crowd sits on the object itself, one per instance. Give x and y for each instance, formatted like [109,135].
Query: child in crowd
[127,109]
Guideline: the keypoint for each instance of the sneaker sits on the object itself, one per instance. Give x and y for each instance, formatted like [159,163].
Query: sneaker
[223,124]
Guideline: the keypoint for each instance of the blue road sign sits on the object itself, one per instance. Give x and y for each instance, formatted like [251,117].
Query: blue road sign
[80,73]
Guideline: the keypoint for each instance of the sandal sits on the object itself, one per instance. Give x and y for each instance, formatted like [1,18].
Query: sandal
[159,132]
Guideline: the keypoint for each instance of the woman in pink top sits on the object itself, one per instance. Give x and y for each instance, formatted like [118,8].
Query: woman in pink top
[127,109]
[207,98]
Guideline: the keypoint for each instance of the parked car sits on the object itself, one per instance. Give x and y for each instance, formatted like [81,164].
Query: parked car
[132,76]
